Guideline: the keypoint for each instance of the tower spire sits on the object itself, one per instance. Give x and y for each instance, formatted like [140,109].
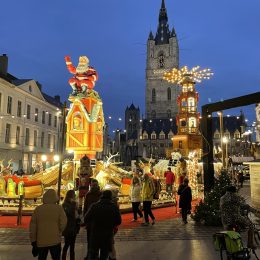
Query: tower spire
[163,33]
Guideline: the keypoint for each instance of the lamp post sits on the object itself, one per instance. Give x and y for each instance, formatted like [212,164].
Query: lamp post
[225,141]
[221,135]
[61,147]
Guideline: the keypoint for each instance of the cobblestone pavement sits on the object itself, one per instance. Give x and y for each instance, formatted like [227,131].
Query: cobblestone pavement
[172,229]
[166,240]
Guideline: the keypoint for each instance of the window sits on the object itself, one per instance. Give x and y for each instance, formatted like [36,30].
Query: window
[43,117]
[153,114]
[30,88]
[169,113]
[237,134]
[161,60]
[0,101]
[42,140]
[49,141]
[162,145]
[54,142]
[49,123]
[191,104]
[35,134]
[169,94]
[162,135]
[28,111]
[36,114]
[27,136]
[216,135]
[145,136]
[55,121]
[9,105]
[180,144]
[18,130]
[153,135]
[7,133]
[19,108]
[153,95]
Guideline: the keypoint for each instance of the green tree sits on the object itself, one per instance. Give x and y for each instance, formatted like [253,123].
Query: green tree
[208,211]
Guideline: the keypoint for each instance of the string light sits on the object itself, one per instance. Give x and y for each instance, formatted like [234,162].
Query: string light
[179,76]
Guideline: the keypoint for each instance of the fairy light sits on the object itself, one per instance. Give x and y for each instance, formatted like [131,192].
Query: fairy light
[179,76]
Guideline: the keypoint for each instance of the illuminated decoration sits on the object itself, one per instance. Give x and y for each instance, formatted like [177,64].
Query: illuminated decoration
[188,138]
[180,76]
[84,76]
[85,119]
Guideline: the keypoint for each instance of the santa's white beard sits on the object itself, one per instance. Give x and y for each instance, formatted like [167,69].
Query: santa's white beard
[81,68]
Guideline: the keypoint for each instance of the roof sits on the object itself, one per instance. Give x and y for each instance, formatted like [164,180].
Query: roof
[52,100]
[231,124]
[158,125]
[18,82]
[8,77]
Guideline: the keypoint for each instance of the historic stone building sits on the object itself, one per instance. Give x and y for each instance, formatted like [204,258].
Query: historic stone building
[30,121]
[162,56]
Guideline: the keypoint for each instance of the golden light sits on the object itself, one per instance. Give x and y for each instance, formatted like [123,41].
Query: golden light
[225,140]
[179,76]
[56,158]
[44,158]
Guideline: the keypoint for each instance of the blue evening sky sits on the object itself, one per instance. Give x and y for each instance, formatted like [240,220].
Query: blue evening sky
[223,35]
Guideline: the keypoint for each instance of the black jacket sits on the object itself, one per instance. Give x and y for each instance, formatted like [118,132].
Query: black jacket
[185,196]
[72,227]
[102,218]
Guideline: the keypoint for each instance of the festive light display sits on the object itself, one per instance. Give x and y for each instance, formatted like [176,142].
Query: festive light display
[179,76]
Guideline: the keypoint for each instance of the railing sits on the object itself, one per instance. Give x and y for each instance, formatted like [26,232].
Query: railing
[19,203]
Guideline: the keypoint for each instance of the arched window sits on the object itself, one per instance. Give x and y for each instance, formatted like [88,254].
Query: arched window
[153,114]
[161,60]
[169,113]
[169,94]
[153,95]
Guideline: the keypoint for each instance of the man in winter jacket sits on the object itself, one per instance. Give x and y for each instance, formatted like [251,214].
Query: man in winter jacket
[185,199]
[170,178]
[91,197]
[46,226]
[102,218]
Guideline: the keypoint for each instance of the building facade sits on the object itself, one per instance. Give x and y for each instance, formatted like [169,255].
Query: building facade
[30,121]
[162,56]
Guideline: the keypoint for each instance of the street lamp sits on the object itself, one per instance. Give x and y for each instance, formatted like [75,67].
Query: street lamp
[56,157]
[225,162]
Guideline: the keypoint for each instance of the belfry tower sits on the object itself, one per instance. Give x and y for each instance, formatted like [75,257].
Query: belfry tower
[162,56]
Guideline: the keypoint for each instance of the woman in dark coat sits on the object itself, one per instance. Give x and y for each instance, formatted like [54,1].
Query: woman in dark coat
[73,224]
[185,199]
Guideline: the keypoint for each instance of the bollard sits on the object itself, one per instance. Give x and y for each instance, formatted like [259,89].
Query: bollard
[20,208]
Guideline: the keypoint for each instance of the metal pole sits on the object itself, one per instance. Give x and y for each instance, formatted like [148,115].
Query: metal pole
[62,146]
[221,136]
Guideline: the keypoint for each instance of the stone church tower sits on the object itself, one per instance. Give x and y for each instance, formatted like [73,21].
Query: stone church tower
[162,55]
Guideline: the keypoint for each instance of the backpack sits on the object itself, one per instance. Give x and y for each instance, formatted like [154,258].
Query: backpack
[228,240]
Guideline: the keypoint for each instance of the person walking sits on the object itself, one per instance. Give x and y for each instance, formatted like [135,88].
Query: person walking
[148,191]
[241,178]
[135,195]
[73,224]
[170,178]
[91,197]
[102,218]
[185,199]
[46,226]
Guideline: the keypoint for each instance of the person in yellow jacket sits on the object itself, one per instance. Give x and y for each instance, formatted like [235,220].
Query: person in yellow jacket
[46,226]
[148,191]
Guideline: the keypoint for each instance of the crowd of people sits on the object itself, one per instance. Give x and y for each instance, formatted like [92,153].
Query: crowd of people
[100,216]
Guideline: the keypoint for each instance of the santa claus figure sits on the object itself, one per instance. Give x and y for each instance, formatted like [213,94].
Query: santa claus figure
[84,76]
